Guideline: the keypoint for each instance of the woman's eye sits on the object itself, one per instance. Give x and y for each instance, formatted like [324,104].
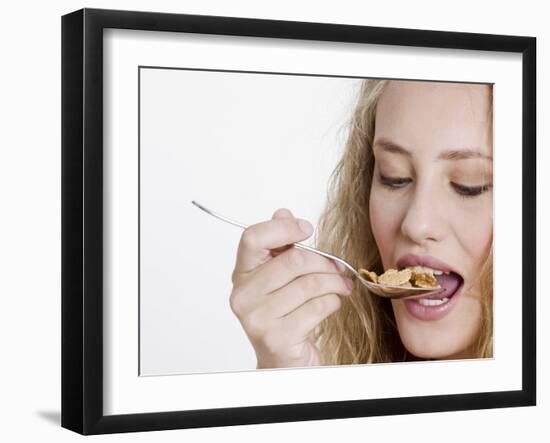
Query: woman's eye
[393,182]
[470,191]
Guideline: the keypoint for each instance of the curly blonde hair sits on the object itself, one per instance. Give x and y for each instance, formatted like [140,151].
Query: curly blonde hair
[364,330]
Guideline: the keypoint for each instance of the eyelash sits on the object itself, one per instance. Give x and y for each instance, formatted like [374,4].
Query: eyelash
[467,192]
[393,184]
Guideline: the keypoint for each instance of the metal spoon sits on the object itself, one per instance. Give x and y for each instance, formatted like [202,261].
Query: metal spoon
[395,292]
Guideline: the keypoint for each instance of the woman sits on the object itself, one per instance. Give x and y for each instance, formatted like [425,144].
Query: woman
[414,187]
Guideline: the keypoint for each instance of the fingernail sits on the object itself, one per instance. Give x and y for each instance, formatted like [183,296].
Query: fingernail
[349,283]
[305,226]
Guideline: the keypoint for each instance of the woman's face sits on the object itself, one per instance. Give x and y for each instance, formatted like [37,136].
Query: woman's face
[431,204]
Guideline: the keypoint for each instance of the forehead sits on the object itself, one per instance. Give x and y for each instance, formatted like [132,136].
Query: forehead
[435,115]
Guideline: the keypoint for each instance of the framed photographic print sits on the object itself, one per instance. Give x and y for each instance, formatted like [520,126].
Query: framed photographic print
[268,221]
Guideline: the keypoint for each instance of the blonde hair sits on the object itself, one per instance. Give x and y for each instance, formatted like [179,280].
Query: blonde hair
[364,330]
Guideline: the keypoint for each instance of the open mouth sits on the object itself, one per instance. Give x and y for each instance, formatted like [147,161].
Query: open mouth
[436,305]
[449,282]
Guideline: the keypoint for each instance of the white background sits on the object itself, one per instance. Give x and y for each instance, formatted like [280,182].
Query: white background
[242,144]
[30,235]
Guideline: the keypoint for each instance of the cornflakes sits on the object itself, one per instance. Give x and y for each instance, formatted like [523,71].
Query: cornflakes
[393,277]
[424,280]
[415,277]
[369,275]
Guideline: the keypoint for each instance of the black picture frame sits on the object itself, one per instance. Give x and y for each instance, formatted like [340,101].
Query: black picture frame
[82,218]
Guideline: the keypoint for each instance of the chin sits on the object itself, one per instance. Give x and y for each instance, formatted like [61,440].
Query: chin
[423,351]
[435,354]
[452,337]
[436,349]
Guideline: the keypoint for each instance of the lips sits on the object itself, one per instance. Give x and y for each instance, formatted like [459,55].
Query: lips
[438,305]
[423,260]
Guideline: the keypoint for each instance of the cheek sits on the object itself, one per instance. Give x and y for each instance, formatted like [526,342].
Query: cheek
[475,229]
[479,241]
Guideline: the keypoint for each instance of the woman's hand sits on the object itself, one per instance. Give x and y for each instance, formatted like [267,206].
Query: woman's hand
[281,293]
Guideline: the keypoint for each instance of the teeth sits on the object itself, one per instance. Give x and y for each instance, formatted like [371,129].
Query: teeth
[432,302]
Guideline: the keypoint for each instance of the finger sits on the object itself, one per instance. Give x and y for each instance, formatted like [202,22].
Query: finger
[303,289]
[257,241]
[302,321]
[288,266]
[281,213]
[279,251]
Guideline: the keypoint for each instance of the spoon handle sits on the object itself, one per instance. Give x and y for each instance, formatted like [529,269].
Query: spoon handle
[378,289]
[298,245]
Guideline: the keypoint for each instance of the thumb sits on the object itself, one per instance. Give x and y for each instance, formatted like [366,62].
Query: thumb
[276,234]
[281,213]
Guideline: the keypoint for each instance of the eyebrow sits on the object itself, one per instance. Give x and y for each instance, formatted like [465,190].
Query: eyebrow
[451,154]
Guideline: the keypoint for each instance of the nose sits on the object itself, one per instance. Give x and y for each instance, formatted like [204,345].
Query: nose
[424,219]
